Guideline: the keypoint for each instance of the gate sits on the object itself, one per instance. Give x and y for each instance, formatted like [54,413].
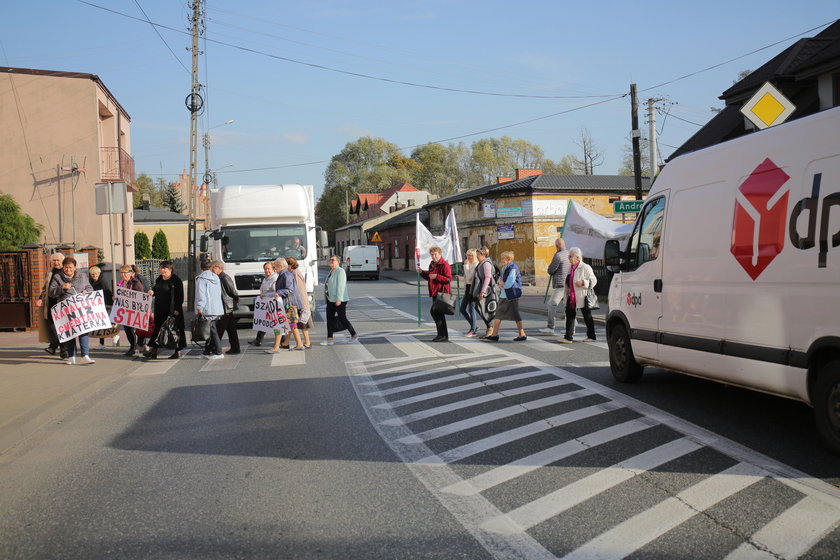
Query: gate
[15,291]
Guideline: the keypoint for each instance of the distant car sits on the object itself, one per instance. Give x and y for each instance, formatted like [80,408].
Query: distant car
[361,261]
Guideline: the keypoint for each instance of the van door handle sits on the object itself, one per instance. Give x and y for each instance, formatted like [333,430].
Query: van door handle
[657,285]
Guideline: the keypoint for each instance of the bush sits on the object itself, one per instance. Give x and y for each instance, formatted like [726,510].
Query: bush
[160,246]
[142,247]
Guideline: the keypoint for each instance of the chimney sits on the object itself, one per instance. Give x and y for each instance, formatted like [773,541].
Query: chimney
[504,179]
[522,173]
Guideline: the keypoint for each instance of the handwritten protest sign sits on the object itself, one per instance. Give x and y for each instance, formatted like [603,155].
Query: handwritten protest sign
[269,316]
[80,314]
[132,308]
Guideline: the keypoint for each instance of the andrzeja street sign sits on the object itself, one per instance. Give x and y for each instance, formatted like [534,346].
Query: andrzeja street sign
[627,206]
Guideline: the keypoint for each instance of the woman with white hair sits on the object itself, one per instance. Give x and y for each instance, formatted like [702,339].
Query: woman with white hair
[578,285]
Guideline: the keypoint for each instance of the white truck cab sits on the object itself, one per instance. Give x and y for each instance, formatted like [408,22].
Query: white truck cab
[732,272]
[255,224]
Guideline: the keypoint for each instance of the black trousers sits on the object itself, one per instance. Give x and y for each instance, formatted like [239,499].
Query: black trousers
[227,324]
[587,318]
[440,322]
[334,310]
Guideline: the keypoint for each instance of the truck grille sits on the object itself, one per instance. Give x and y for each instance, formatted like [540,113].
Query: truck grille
[248,281]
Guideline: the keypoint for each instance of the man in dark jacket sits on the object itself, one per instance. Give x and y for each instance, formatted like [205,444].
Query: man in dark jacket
[230,297]
[558,270]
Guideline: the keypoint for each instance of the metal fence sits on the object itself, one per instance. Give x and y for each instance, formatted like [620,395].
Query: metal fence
[150,269]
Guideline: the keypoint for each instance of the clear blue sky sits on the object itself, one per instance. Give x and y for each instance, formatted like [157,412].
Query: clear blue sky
[289,113]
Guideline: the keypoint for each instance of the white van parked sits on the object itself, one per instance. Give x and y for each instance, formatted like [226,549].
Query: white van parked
[732,272]
[361,261]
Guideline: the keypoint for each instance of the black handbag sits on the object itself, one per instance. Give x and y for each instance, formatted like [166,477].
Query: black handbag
[444,303]
[592,300]
[200,329]
[168,336]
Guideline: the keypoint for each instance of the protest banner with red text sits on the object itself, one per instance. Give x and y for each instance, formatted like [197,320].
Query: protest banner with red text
[269,316]
[80,314]
[132,308]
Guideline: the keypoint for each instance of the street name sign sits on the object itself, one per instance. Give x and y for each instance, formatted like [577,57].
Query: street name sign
[627,206]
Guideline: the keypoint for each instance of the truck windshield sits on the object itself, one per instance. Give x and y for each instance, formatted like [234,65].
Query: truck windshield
[262,243]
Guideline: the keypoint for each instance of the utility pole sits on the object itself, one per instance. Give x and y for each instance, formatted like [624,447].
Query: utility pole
[654,156]
[637,155]
[195,104]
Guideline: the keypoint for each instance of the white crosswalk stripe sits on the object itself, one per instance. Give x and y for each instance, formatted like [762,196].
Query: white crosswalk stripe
[418,404]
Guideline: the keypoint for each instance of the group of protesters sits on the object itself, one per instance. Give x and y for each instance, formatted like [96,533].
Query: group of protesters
[492,294]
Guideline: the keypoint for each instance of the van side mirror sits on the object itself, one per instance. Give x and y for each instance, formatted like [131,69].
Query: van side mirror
[322,238]
[612,255]
[202,244]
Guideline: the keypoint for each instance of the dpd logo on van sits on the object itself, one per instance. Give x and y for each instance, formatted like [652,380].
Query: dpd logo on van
[760,222]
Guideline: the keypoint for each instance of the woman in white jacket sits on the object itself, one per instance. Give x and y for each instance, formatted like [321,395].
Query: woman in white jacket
[577,285]
[267,291]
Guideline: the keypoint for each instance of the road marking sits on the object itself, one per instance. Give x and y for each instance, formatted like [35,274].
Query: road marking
[486,418]
[587,364]
[531,463]
[792,533]
[458,405]
[454,390]
[788,535]
[288,358]
[641,529]
[155,367]
[554,503]
[488,443]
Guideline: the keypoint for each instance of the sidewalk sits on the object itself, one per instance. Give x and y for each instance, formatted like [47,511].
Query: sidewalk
[36,388]
[533,298]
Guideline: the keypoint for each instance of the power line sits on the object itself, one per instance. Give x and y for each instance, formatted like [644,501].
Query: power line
[348,72]
[159,35]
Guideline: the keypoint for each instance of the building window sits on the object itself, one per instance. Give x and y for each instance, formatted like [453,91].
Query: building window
[396,249]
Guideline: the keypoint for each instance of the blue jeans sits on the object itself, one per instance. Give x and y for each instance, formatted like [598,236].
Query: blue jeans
[468,308]
[84,344]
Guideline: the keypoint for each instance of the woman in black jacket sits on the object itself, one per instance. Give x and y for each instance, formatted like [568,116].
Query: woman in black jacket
[169,300]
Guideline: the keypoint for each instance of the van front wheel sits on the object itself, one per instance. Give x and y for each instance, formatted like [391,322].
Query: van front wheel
[622,363]
[827,404]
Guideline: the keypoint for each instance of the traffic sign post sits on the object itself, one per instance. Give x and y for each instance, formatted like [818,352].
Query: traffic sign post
[627,206]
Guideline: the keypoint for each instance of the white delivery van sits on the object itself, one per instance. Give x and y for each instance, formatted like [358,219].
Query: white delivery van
[732,272]
[361,261]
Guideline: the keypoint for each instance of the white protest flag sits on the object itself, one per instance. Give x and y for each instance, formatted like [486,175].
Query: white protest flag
[451,231]
[448,243]
[590,231]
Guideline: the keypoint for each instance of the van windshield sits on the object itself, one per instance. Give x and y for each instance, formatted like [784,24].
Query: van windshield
[263,243]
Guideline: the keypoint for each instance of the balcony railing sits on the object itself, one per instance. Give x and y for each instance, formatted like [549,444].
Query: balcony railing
[117,165]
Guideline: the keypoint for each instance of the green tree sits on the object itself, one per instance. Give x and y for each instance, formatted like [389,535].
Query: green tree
[439,168]
[495,157]
[627,161]
[367,165]
[562,167]
[142,247]
[146,186]
[16,228]
[331,210]
[172,198]
[160,246]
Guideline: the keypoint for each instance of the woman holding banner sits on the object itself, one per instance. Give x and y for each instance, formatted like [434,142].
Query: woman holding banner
[266,291]
[66,283]
[439,276]
[129,281]
[169,300]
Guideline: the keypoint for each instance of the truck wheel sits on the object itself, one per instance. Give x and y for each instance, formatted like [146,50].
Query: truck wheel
[827,404]
[622,363]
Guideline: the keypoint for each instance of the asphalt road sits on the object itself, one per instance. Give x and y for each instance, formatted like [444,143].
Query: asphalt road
[401,448]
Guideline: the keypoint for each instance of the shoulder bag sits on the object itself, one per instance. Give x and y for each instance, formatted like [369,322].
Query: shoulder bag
[444,303]
[200,329]
[591,300]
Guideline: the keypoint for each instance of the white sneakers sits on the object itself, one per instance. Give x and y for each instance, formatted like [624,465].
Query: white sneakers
[116,340]
[213,356]
[71,361]
[353,340]
[546,330]
[327,343]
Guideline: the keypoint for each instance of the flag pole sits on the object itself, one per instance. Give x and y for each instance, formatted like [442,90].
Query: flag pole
[419,320]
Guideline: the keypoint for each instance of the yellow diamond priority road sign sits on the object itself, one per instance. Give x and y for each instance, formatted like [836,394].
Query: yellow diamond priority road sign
[767,107]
